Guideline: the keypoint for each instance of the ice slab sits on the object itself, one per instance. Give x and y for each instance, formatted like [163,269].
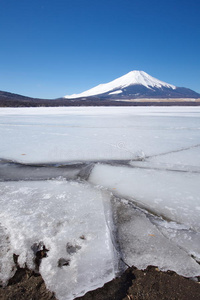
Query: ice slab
[72,221]
[173,195]
[142,243]
[186,239]
[34,135]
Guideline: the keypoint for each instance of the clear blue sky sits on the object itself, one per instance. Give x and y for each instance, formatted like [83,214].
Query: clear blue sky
[50,48]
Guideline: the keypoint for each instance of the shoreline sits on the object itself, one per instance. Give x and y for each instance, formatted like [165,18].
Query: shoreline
[133,284]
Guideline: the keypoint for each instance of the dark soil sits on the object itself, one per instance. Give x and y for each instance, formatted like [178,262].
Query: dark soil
[150,284]
[134,284]
[26,285]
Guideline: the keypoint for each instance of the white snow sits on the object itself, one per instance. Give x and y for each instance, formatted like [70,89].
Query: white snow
[131,78]
[69,218]
[116,92]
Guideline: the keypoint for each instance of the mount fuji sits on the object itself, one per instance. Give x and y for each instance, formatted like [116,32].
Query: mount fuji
[135,85]
[136,88]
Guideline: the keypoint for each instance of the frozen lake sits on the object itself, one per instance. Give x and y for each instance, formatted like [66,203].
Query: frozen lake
[97,133]
[99,186]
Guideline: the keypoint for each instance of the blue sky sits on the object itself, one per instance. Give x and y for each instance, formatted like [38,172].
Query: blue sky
[51,48]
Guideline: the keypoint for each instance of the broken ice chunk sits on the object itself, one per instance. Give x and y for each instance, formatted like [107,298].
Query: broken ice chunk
[142,244]
[72,223]
[174,195]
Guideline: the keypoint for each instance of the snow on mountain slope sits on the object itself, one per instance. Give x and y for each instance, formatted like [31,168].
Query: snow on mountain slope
[131,78]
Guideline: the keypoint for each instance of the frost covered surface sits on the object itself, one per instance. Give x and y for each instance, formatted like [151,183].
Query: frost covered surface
[69,219]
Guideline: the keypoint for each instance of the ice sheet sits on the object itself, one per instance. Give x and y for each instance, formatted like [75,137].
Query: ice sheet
[71,220]
[35,135]
[188,159]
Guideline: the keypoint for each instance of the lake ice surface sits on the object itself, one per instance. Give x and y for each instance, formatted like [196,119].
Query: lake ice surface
[81,180]
[40,135]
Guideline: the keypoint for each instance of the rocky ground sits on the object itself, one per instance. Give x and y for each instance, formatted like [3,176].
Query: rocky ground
[134,284]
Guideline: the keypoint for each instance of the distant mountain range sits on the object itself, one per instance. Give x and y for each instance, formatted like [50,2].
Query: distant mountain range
[136,88]
[136,85]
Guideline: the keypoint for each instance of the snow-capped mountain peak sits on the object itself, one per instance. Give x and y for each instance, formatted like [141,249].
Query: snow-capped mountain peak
[141,77]
[129,79]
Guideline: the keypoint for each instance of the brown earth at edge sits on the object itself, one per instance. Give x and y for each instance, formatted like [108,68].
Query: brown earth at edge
[134,284]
